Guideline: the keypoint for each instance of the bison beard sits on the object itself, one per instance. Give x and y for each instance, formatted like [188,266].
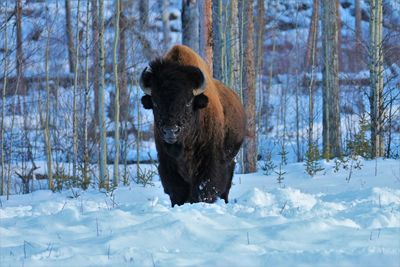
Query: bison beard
[199,126]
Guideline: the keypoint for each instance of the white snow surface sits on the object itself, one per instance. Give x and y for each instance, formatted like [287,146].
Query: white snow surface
[306,221]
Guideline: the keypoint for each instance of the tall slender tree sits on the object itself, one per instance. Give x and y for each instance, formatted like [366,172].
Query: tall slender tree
[116,99]
[47,118]
[103,176]
[70,37]
[21,88]
[96,59]
[249,147]
[376,78]
[331,110]
[85,172]
[74,104]
[3,105]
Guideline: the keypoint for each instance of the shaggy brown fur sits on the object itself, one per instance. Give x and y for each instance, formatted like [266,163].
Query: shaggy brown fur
[198,165]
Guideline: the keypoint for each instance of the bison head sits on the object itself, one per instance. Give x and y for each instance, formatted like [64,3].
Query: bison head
[175,93]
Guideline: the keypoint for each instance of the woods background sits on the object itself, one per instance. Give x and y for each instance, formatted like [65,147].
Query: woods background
[318,79]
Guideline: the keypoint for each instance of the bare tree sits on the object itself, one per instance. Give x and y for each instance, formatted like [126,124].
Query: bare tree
[249,147]
[21,88]
[70,37]
[116,100]
[3,105]
[331,111]
[190,24]
[103,176]
[376,78]
[47,118]
[96,58]
[85,171]
[74,101]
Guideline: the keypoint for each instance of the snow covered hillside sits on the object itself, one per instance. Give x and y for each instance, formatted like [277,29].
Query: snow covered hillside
[320,221]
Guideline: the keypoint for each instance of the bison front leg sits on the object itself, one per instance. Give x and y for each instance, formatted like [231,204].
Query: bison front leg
[177,189]
[229,176]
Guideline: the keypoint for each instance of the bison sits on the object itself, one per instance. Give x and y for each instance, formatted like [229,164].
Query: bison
[199,126]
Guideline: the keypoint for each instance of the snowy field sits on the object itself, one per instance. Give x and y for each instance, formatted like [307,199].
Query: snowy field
[319,221]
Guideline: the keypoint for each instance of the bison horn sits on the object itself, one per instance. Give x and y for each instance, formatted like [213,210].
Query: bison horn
[146,90]
[201,88]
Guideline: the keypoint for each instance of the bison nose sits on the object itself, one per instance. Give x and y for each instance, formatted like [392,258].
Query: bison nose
[170,133]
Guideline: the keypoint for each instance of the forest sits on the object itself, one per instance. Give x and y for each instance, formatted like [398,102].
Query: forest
[318,79]
[317,178]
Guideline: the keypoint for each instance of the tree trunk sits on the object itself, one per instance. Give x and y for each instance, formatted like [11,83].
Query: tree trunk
[206,36]
[331,111]
[3,105]
[312,36]
[21,89]
[85,172]
[376,77]
[116,100]
[217,39]
[339,33]
[96,59]
[102,123]
[165,23]
[249,147]
[122,75]
[358,61]
[70,37]
[234,49]
[47,119]
[190,24]
[144,13]
[74,104]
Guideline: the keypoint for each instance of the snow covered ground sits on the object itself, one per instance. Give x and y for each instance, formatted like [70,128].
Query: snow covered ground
[319,221]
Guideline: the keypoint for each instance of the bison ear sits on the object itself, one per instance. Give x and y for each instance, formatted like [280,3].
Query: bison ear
[147,102]
[196,76]
[200,101]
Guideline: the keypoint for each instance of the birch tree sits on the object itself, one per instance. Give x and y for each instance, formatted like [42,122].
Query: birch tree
[249,147]
[85,172]
[96,59]
[70,37]
[3,104]
[116,100]
[102,123]
[47,118]
[74,101]
[330,91]
[376,78]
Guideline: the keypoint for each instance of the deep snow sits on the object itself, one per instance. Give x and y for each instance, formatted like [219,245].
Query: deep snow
[319,221]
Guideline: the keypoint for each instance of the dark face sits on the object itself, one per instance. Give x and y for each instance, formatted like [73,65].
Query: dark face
[172,99]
